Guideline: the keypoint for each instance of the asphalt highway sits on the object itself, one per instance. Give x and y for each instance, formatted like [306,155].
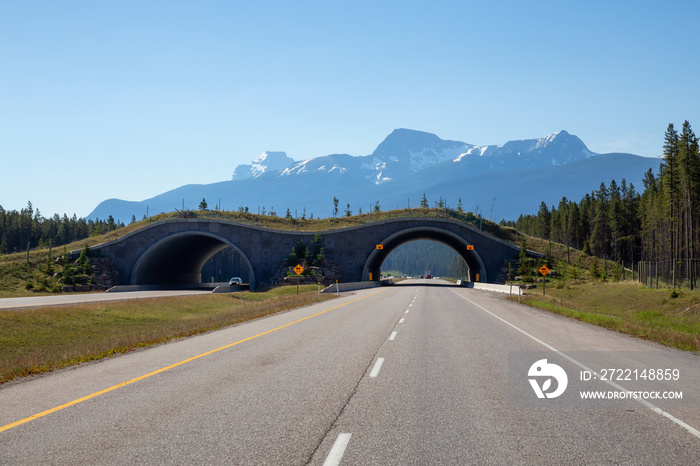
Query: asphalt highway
[412,374]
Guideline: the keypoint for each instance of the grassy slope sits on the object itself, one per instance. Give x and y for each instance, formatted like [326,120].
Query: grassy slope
[628,308]
[35,341]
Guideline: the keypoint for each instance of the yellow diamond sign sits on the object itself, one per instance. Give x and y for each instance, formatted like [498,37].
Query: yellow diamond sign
[298,269]
[544,270]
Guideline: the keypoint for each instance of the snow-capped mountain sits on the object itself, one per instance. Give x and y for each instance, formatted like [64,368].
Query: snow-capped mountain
[266,162]
[520,174]
[562,147]
[405,152]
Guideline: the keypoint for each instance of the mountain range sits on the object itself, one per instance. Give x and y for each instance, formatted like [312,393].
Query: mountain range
[498,181]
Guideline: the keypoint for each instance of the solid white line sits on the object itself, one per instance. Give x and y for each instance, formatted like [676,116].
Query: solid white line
[392,336]
[336,453]
[401,320]
[641,401]
[377,367]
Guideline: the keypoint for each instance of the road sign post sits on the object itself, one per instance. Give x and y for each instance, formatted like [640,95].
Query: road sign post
[544,270]
[298,270]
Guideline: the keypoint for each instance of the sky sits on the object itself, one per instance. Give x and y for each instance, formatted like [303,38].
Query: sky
[128,99]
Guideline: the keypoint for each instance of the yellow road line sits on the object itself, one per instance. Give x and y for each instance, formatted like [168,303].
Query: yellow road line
[129,382]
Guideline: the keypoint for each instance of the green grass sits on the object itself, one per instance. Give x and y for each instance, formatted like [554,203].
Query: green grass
[36,341]
[629,308]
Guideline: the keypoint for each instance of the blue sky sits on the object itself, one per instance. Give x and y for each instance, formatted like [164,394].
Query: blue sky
[128,99]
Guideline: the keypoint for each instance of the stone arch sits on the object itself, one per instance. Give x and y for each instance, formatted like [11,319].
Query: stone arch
[177,260]
[471,257]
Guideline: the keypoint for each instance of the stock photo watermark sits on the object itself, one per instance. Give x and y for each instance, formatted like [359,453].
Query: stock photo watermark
[591,379]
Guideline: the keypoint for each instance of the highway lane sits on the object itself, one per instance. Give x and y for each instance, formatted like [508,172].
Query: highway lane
[440,396]
[269,399]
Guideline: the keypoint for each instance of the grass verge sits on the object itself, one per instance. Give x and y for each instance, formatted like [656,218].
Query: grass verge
[42,340]
[629,308]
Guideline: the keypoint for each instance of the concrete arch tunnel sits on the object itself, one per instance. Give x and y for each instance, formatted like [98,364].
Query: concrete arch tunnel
[177,260]
[372,268]
[171,253]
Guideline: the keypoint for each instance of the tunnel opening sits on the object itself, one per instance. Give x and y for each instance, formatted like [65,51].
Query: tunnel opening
[224,265]
[177,262]
[475,269]
[425,258]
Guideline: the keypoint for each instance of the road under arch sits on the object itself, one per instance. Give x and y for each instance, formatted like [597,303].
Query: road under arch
[372,268]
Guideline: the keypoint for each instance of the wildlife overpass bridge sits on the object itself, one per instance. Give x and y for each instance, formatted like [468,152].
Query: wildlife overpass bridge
[171,253]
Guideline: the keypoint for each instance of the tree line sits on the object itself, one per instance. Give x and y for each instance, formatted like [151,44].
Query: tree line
[616,222]
[29,229]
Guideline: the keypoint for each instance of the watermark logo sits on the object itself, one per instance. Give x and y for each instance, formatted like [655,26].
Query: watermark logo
[542,370]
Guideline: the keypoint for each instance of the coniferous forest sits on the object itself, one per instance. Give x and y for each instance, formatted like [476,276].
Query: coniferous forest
[617,223]
[29,229]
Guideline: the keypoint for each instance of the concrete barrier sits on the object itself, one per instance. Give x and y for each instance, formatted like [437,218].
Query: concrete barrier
[227,289]
[509,289]
[199,286]
[350,286]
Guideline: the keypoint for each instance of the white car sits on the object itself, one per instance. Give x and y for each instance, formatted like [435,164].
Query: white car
[235,281]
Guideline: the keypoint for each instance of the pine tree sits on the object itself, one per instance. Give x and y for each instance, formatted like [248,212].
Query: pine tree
[600,235]
[689,182]
[424,202]
[669,179]
[203,205]
[524,260]
[544,220]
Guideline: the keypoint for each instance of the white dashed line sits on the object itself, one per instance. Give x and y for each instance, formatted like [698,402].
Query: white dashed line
[336,453]
[401,320]
[377,367]
[392,336]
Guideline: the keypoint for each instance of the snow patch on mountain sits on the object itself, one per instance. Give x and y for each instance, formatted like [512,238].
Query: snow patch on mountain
[430,156]
[268,161]
[558,148]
